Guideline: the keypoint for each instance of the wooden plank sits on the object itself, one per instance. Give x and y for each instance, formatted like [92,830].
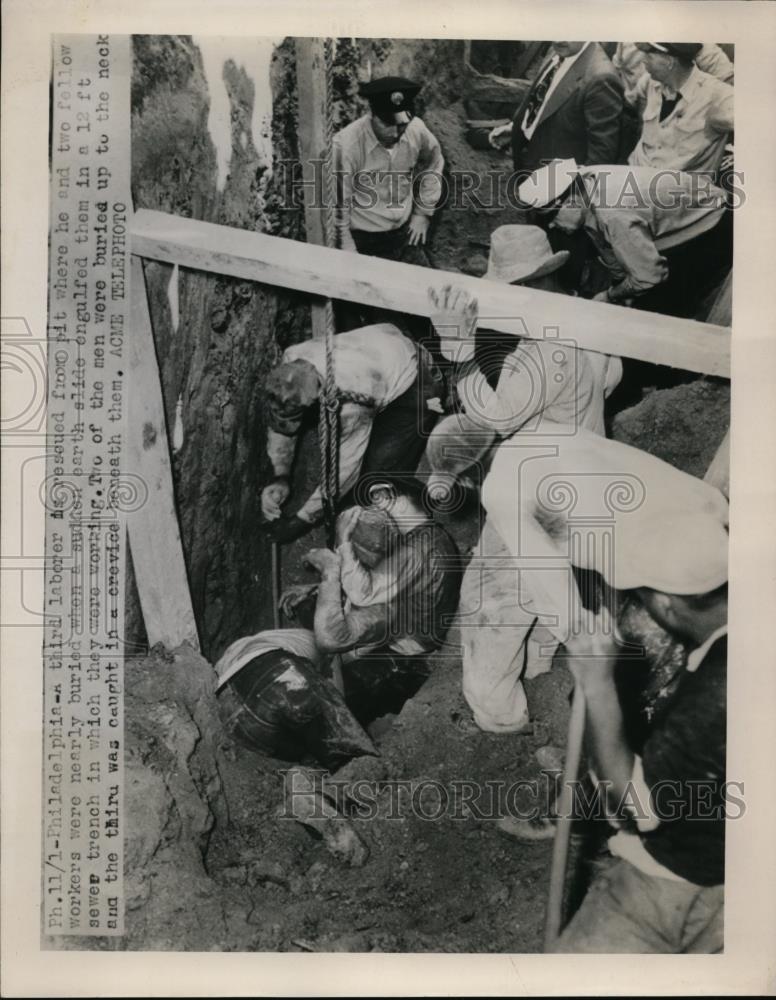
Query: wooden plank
[154,535]
[528,312]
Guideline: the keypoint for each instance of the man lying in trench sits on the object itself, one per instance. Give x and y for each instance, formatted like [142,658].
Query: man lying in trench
[277,691]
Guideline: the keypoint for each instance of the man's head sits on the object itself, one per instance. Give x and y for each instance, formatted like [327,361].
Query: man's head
[391,101]
[665,61]
[688,616]
[522,255]
[373,536]
[290,388]
[566,49]
[677,563]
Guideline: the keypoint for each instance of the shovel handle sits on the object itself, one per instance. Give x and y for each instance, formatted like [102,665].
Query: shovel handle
[560,850]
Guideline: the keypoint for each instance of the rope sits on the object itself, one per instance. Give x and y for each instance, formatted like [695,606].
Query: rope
[328,425]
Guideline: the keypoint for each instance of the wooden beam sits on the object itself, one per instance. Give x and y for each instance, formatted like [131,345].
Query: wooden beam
[154,535]
[527,312]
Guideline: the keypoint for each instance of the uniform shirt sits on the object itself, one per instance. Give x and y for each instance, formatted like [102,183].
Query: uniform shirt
[693,135]
[373,366]
[567,496]
[564,65]
[376,184]
[635,212]
[543,380]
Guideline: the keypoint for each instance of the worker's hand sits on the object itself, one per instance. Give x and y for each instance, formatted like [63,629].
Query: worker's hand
[417,229]
[327,563]
[294,596]
[593,649]
[499,136]
[286,529]
[273,497]
[346,524]
[454,312]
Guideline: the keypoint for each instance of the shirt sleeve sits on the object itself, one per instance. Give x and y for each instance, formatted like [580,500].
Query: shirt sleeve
[365,586]
[632,244]
[281,448]
[720,118]
[430,165]
[602,109]
[355,428]
[338,629]
[525,388]
[344,174]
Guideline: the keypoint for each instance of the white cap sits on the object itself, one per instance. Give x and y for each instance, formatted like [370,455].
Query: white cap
[548,183]
[681,552]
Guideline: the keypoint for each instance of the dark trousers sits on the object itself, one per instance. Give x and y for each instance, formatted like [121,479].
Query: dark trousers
[279,705]
[399,435]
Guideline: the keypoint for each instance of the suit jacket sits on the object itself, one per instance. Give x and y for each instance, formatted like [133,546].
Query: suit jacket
[583,117]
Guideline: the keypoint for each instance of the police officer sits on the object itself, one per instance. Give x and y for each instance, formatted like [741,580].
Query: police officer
[389,171]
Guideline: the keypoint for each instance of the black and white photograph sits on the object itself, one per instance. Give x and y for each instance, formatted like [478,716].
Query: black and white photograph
[380,429]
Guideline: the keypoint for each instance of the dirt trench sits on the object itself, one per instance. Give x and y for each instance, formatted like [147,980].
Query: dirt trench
[211,865]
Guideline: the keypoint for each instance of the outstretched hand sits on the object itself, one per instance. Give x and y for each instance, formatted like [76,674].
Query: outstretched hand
[454,313]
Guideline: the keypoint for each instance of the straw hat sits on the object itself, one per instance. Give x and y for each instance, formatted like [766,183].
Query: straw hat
[520,253]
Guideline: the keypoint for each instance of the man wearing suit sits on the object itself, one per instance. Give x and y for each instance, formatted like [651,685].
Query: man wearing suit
[573,109]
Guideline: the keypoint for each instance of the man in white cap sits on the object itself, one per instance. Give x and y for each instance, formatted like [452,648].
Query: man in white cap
[569,497]
[662,891]
[665,237]
[687,114]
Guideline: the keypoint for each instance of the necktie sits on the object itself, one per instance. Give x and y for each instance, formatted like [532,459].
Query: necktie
[668,104]
[537,95]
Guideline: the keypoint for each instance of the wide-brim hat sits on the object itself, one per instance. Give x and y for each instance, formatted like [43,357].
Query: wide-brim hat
[549,183]
[521,253]
[680,553]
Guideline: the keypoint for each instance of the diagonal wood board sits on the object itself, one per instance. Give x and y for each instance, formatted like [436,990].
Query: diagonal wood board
[317,270]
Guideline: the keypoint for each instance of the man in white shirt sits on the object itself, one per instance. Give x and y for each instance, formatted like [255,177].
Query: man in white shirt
[687,113]
[389,171]
[384,384]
